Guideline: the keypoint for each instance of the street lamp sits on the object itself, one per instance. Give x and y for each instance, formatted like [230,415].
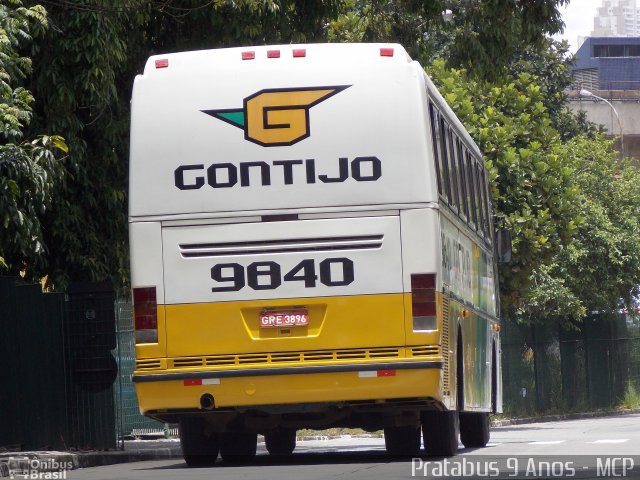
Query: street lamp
[587,93]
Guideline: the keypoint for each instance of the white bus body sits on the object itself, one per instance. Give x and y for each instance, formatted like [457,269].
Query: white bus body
[301,179]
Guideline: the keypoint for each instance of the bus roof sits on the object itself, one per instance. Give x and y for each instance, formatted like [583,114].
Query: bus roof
[277,128]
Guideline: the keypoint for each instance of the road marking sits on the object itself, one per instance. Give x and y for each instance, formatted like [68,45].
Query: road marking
[548,442]
[493,444]
[612,440]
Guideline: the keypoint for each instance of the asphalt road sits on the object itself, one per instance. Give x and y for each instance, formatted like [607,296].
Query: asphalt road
[575,448]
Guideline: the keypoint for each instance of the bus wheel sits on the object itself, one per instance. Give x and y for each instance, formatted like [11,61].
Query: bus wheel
[238,447]
[474,429]
[440,432]
[280,441]
[402,441]
[198,448]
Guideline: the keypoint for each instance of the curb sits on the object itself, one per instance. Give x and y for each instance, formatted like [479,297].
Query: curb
[561,417]
[99,459]
[46,462]
[62,461]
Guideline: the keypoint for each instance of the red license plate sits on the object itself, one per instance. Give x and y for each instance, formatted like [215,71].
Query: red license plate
[294,318]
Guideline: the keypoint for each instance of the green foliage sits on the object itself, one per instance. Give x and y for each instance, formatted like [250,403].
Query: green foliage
[84,70]
[631,398]
[531,181]
[481,36]
[573,251]
[29,170]
[17,24]
[192,24]
[599,270]
[550,62]
[487,33]
[79,75]
[573,209]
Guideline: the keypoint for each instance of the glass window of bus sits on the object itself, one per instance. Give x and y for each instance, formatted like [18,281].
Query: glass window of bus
[479,202]
[443,154]
[473,214]
[482,183]
[462,180]
[488,232]
[433,112]
[455,202]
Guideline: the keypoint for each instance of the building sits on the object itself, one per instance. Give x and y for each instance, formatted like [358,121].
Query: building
[617,18]
[608,63]
[609,68]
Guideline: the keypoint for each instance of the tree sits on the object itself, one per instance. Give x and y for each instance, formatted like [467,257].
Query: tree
[600,269]
[532,181]
[550,62]
[29,169]
[481,36]
[84,72]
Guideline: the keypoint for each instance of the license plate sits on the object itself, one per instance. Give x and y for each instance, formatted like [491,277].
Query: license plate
[296,318]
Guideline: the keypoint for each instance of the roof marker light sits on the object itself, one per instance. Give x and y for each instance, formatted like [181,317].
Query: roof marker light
[273,53]
[250,55]
[386,52]
[162,63]
[299,52]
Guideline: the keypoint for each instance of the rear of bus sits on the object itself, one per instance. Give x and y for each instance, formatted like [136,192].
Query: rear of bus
[285,240]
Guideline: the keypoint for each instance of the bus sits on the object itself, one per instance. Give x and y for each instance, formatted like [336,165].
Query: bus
[312,246]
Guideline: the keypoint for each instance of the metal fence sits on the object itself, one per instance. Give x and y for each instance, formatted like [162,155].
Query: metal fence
[129,420]
[56,367]
[66,362]
[594,366]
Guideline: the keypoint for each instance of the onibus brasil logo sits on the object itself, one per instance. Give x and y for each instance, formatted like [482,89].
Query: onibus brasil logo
[276,116]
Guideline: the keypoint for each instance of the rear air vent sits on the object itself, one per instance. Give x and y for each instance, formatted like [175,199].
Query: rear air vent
[351,354]
[253,358]
[220,360]
[188,362]
[147,364]
[294,245]
[425,351]
[299,358]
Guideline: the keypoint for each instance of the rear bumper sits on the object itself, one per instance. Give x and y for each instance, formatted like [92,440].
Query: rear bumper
[177,391]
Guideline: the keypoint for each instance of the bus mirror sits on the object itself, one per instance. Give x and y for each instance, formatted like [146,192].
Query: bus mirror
[503,243]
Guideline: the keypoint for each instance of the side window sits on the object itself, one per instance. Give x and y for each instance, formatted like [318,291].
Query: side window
[487,207]
[462,178]
[479,199]
[433,112]
[445,159]
[473,214]
[455,202]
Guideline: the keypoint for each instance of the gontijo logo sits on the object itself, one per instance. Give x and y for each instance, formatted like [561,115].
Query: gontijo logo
[276,116]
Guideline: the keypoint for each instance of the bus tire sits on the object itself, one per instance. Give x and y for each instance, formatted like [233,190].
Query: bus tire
[402,441]
[280,441]
[238,447]
[198,448]
[440,432]
[474,429]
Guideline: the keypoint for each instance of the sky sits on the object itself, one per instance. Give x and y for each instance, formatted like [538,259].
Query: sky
[578,19]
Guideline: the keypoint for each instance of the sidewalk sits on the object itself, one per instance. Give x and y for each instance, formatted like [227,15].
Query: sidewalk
[135,451]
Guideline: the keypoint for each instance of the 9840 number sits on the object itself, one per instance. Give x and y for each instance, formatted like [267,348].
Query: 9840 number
[333,272]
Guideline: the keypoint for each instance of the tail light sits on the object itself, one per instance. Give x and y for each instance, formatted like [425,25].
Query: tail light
[145,308]
[423,301]
[162,63]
